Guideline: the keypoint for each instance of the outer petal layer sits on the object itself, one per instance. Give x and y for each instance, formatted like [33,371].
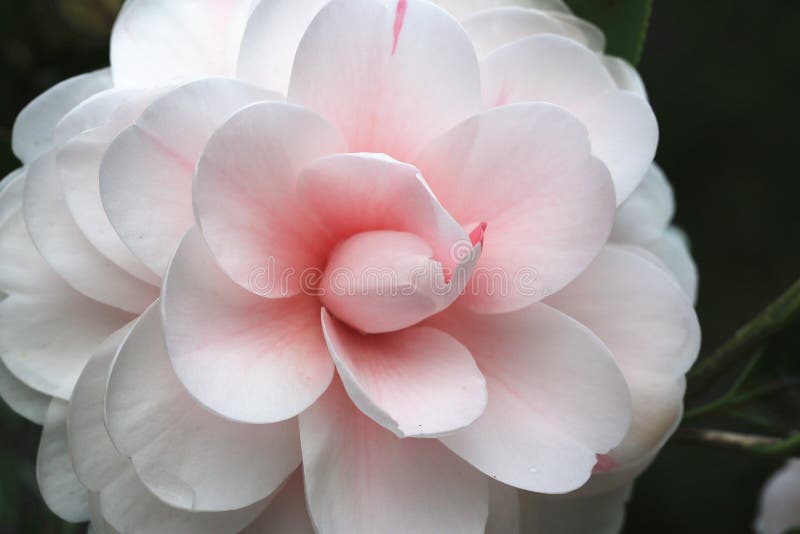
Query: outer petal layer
[389,75]
[415,382]
[247,358]
[556,398]
[187,456]
[361,478]
[245,198]
[526,170]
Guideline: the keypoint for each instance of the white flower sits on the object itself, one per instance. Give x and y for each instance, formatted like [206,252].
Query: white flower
[158,324]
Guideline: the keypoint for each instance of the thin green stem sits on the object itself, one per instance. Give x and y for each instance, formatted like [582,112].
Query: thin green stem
[747,339]
[747,443]
[728,398]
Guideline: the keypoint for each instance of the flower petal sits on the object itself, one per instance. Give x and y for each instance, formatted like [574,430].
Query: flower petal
[778,510]
[247,358]
[60,488]
[625,75]
[645,214]
[549,68]
[463,8]
[35,125]
[415,382]
[47,329]
[154,42]
[287,512]
[78,167]
[556,397]
[361,478]
[526,170]
[245,198]
[184,454]
[95,111]
[492,28]
[270,41]
[147,171]
[638,311]
[67,250]
[672,249]
[390,76]
[566,514]
[24,400]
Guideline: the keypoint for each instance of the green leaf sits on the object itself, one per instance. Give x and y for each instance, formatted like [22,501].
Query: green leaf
[623,21]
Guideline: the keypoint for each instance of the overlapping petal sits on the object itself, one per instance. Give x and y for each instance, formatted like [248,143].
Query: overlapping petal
[527,172]
[147,172]
[556,397]
[415,382]
[550,68]
[390,75]
[360,478]
[187,456]
[245,194]
[464,8]
[155,42]
[245,357]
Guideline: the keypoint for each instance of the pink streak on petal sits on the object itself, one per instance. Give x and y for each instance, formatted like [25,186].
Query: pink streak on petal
[605,463]
[476,235]
[399,17]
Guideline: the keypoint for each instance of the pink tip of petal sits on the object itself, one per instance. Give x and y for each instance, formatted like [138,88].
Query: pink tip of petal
[399,18]
[477,233]
[605,463]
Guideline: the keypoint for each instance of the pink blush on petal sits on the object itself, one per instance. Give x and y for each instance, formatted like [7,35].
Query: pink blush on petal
[605,463]
[399,18]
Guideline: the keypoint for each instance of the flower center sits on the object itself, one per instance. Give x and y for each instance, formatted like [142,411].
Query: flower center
[382,281]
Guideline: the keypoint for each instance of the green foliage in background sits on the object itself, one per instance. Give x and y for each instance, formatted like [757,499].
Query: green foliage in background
[624,22]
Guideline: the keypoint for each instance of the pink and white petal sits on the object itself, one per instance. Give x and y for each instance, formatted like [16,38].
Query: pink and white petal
[66,249]
[286,512]
[492,28]
[526,170]
[46,340]
[624,134]
[567,514]
[154,42]
[657,410]
[147,171]
[504,511]
[582,31]
[128,506]
[638,311]
[245,193]
[549,68]
[96,461]
[23,270]
[93,112]
[187,456]
[672,249]
[270,41]
[12,188]
[247,358]
[417,382]
[21,398]
[625,75]
[35,125]
[556,397]
[361,478]
[390,75]
[78,166]
[61,490]
[778,511]
[464,8]
[646,213]
[352,193]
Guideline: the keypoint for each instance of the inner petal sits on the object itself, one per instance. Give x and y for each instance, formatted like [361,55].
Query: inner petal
[382,281]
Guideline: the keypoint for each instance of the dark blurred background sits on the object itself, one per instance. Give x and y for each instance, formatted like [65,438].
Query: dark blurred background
[723,79]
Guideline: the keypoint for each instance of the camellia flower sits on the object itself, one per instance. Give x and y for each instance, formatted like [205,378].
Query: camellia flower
[779,509]
[347,266]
